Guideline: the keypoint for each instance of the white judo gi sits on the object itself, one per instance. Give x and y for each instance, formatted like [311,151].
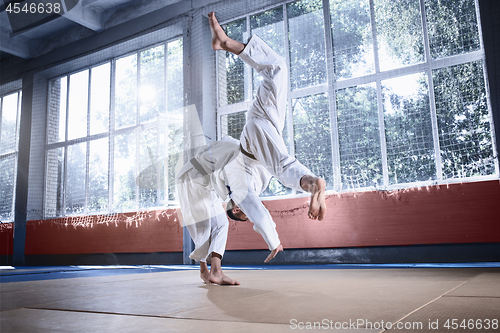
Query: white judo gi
[218,170]
[262,133]
[242,172]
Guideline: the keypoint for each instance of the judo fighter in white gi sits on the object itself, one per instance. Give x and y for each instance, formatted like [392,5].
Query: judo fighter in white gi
[243,169]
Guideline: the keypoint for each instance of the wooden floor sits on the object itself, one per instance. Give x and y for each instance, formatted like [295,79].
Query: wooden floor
[270,299]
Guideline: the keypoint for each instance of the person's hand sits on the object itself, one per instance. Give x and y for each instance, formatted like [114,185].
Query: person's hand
[274,253]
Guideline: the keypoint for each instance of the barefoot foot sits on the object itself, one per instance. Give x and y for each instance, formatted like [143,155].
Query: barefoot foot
[220,41]
[317,206]
[204,273]
[219,37]
[222,279]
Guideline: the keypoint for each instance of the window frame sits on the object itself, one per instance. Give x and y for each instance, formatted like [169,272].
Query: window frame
[111,133]
[15,152]
[332,86]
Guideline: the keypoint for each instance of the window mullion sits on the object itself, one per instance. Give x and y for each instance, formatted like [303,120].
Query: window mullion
[87,150]
[248,70]
[111,142]
[332,97]
[487,89]
[18,121]
[289,124]
[289,83]
[163,189]
[138,128]
[380,105]
[432,97]
[65,166]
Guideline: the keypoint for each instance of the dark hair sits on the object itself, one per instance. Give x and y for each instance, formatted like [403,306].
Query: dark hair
[229,211]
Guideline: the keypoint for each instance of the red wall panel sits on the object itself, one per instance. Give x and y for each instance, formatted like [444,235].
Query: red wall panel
[455,213]
[139,232]
[6,236]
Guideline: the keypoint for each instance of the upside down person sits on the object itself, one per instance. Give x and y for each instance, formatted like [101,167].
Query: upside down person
[261,139]
[242,170]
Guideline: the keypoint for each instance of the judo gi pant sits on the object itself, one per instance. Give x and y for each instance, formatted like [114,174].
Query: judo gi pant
[262,133]
[202,214]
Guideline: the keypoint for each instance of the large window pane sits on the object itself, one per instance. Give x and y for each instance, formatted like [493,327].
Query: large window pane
[463,121]
[126,91]
[307,43]
[312,135]
[359,136]
[152,87]
[172,140]
[175,70]
[352,38]
[174,147]
[399,33]
[232,79]
[78,104]
[98,175]
[124,189]
[408,129]
[148,158]
[9,123]
[54,176]
[8,173]
[99,98]
[75,180]
[452,26]
[232,124]
[269,27]
[56,113]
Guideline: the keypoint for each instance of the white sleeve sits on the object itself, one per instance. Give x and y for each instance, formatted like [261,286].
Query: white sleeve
[263,223]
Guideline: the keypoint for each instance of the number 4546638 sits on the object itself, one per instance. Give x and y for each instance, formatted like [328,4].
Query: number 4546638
[33,8]
[472,324]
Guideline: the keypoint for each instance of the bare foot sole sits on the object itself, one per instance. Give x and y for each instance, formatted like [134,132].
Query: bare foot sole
[222,279]
[219,37]
[317,206]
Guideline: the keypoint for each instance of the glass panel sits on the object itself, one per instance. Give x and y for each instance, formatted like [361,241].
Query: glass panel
[232,80]
[57,110]
[126,91]
[175,147]
[463,121]
[7,187]
[124,189]
[175,75]
[148,158]
[399,33]
[452,26]
[312,135]
[8,138]
[152,88]
[75,181]
[408,129]
[359,136]
[352,38]
[232,124]
[98,175]
[99,98]
[307,43]
[78,104]
[269,27]
[54,179]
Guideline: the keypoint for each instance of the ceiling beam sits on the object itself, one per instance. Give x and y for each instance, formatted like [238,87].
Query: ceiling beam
[14,47]
[84,16]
